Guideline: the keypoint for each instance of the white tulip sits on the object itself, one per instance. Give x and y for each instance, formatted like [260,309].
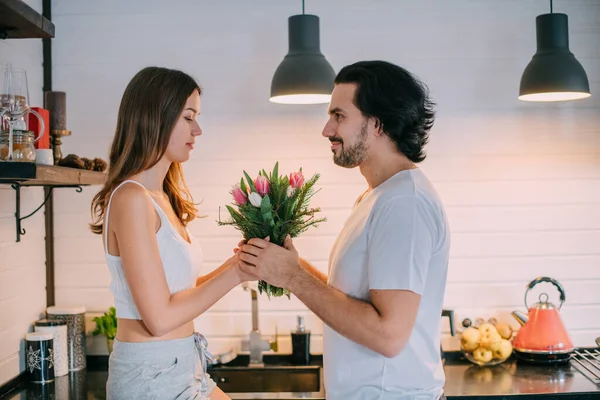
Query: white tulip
[255,199]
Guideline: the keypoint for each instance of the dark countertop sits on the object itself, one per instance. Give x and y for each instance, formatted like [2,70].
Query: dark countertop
[516,380]
[464,381]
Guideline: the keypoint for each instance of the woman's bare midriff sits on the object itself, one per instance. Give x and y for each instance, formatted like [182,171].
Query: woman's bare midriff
[133,330]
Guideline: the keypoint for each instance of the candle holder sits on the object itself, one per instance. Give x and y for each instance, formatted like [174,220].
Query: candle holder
[56,135]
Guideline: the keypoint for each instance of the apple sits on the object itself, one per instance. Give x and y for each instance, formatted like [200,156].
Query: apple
[470,338]
[504,329]
[501,349]
[482,354]
[487,328]
[488,339]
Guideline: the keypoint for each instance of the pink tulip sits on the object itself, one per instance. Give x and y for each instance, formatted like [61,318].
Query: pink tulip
[296,179]
[238,195]
[262,185]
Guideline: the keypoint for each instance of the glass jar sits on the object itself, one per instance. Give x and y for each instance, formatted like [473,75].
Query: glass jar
[23,147]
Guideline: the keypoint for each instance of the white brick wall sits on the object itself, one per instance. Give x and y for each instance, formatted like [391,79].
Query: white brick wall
[22,268]
[521,182]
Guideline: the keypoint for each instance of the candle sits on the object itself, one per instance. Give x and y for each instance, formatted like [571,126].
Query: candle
[56,104]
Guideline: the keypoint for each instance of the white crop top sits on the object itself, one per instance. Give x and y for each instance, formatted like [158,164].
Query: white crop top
[181,262]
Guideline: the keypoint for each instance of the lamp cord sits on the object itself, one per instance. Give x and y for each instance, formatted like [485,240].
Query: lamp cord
[303,6]
[550,6]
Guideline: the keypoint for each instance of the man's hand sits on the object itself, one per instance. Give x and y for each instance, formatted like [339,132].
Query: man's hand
[274,264]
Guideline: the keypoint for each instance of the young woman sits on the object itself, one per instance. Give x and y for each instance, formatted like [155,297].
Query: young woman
[142,212]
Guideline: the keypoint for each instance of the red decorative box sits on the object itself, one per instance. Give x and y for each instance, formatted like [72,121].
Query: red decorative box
[34,125]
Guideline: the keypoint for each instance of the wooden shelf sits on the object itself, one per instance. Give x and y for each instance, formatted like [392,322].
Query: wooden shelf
[19,21]
[31,174]
[19,174]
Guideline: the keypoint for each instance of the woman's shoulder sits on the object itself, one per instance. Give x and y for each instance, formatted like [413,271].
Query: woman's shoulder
[131,198]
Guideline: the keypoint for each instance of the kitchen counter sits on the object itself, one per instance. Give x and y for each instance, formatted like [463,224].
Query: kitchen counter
[464,381]
[516,380]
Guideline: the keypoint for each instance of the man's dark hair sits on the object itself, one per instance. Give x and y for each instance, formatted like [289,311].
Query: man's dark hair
[396,98]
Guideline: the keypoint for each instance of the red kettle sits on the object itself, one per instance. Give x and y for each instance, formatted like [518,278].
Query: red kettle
[542,337]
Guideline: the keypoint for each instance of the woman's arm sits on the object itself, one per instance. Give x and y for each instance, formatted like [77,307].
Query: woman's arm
[203,278]
[133,219]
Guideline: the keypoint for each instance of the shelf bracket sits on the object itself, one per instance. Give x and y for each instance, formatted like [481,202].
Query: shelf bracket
[17,187]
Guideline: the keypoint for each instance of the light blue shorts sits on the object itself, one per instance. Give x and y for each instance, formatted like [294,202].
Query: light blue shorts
[165,370]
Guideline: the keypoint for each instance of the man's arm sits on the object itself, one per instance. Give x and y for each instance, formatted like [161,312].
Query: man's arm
[383,326]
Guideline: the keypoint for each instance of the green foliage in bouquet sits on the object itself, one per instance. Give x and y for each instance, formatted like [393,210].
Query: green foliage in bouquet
[107,324]
[274,206]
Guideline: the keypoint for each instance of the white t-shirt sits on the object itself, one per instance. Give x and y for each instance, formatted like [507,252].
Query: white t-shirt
[397,237]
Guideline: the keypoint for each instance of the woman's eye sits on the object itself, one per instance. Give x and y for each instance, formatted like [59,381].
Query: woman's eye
[189,119]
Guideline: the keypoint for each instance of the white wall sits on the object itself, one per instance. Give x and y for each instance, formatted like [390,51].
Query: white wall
[521,182]
[22,269]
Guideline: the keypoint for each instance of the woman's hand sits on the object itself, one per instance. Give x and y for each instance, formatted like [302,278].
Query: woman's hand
[235,261]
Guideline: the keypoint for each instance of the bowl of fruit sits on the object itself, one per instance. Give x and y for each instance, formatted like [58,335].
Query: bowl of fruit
[487,344]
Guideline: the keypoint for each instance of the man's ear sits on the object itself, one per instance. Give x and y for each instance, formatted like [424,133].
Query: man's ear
[377,127]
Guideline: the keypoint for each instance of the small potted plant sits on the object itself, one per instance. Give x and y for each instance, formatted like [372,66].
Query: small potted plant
[107,325]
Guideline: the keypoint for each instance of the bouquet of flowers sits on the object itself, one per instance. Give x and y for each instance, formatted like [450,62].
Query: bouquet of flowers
[275,206]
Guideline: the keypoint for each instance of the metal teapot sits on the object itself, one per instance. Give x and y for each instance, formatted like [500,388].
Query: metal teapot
[542,337]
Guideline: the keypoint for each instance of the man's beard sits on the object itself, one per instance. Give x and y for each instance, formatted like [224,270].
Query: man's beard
[353,155]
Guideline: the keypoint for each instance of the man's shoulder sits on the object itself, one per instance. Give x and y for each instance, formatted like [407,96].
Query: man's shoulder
[413,188]
[409,194]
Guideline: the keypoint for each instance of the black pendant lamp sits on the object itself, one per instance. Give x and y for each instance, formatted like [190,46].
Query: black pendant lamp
[304,76]
[553,74]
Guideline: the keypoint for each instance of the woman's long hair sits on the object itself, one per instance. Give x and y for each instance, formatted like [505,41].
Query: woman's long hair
[151,105]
